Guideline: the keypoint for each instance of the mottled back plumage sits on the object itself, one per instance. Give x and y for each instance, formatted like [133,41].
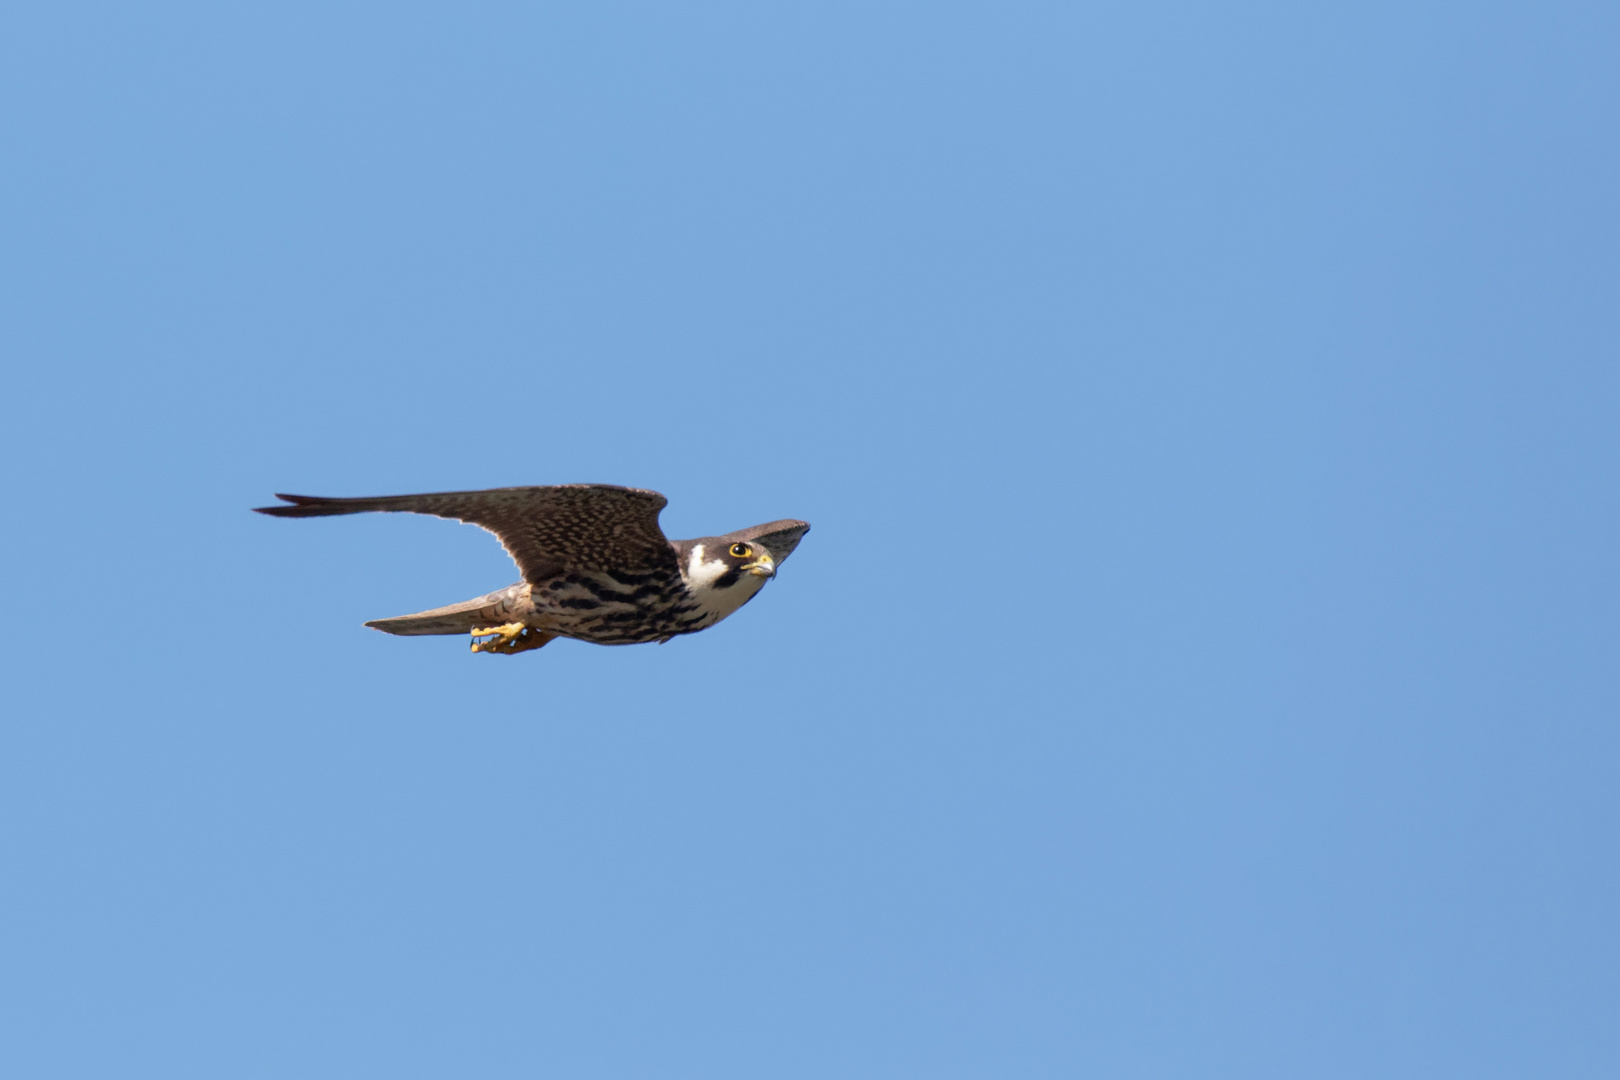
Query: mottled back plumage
[544,529]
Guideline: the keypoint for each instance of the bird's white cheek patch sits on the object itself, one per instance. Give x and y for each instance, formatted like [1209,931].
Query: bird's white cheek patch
[718,603]
[701,575]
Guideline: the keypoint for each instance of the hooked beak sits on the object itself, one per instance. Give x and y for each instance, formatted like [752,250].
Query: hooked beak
[764,567]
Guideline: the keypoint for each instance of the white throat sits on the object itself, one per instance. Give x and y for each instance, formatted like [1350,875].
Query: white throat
[702,577]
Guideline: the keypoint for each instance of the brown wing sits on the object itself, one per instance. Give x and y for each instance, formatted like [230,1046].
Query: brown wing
[779,537]
[545,529]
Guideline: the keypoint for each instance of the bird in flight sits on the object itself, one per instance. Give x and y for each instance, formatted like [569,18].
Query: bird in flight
[595,565]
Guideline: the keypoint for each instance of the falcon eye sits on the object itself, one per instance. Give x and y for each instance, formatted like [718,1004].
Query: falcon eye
[741,551]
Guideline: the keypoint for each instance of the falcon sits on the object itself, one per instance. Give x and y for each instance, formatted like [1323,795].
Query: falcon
[596,567]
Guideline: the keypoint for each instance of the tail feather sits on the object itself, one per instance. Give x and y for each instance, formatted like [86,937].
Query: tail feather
[461,618]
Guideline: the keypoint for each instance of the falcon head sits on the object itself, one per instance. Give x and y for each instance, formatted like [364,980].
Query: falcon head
[715,564]
[724,572]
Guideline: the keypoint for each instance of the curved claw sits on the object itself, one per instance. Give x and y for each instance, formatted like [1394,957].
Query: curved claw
[509,638]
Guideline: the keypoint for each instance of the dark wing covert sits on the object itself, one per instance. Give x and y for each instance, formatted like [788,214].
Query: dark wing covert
[546,530]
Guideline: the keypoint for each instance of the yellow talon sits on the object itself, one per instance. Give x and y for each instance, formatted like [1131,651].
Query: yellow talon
[509,638]
[503,635]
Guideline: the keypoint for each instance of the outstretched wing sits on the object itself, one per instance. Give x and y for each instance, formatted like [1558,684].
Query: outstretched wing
[546,530]
[779,537]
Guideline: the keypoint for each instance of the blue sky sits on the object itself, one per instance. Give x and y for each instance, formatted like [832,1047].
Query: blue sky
[1203,662]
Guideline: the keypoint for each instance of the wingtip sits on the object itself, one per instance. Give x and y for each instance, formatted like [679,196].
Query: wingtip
[290,510]
[304,506]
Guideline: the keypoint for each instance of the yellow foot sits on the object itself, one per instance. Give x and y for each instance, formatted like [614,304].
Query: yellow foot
[509,638]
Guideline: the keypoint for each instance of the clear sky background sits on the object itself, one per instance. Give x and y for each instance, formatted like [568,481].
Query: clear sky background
[1203,663]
